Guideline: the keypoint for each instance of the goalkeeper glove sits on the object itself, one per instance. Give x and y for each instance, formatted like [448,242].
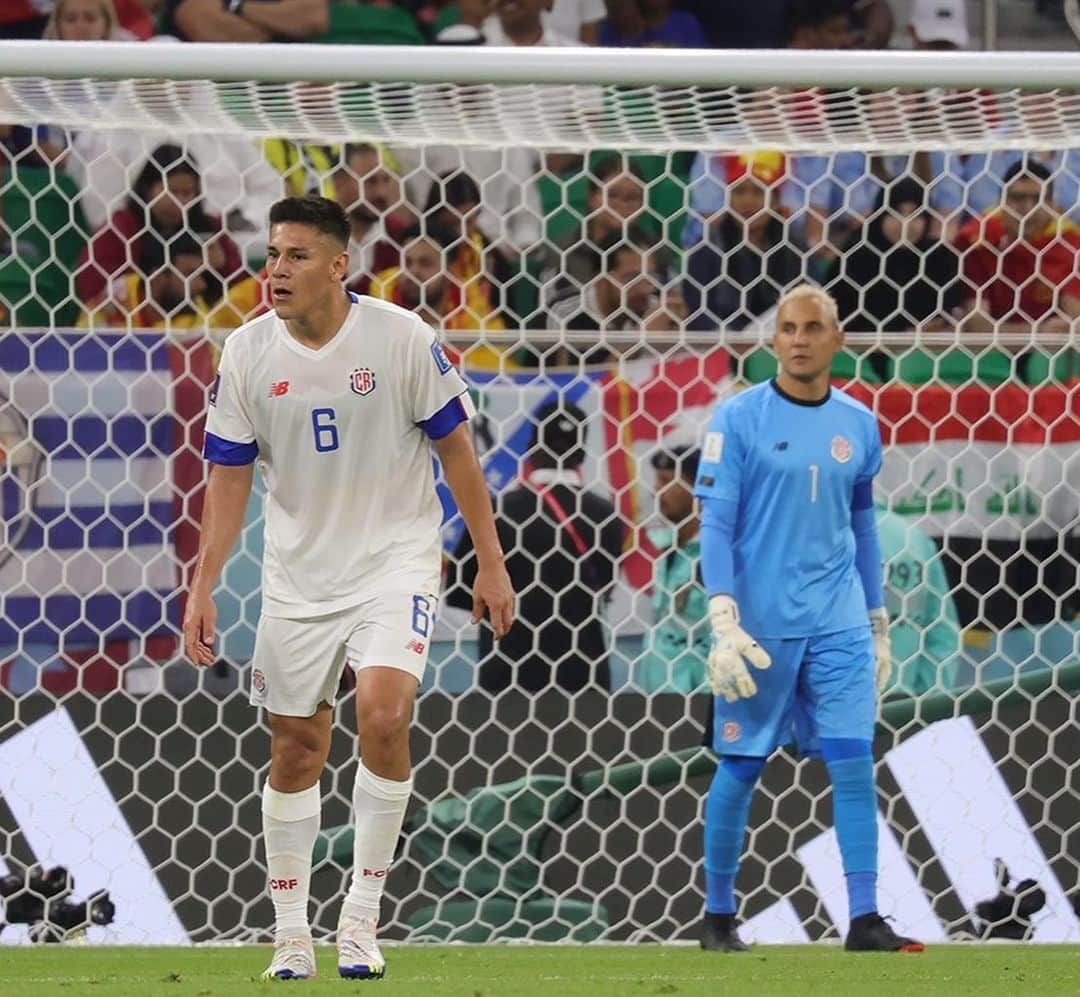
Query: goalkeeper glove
[728,674]
[879,627]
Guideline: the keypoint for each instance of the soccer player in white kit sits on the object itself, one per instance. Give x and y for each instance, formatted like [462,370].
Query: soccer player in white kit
[339,399]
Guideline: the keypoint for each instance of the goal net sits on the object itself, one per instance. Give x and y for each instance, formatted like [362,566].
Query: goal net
[613,248]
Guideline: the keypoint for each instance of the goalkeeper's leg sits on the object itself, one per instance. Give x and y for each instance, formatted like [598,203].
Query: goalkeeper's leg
[840,679]
[727,810]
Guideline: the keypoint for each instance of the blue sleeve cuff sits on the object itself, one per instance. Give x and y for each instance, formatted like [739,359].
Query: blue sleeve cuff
[863,497]
[446,420]
[717,535]
[219,451]
[868,556]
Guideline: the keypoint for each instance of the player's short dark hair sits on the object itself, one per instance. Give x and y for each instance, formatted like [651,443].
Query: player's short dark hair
[1028,169]
[325,216]
[683,461]
[559,436]
[812,14]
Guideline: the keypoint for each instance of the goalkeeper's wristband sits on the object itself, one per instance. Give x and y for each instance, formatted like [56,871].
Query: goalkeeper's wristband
[723,609]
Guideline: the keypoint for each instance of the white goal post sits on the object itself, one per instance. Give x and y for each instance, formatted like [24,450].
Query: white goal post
[546,814]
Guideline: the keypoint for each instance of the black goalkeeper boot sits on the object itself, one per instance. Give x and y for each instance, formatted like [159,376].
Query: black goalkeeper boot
[872,933]
[719,934]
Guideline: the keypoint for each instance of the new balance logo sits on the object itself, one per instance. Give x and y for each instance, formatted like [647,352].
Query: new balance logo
[279,388]
[782,445]
[284,884]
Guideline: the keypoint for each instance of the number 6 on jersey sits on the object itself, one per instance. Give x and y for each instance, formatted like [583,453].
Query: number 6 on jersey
[326,434]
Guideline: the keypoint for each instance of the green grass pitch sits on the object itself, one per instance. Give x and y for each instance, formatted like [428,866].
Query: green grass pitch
[567,971]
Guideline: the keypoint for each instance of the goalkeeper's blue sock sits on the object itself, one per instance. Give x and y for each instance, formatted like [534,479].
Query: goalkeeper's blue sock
[851,770]
[727,810]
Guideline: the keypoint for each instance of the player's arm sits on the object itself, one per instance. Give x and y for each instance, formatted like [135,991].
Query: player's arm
[868,560]
[718,488]
[491,590]
[291,18]
[211,21]
[227,495]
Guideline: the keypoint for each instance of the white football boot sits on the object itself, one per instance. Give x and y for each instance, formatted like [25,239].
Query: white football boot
[359,957]
[294,959]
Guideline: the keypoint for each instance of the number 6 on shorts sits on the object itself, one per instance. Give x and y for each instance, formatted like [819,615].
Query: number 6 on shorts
[422,615]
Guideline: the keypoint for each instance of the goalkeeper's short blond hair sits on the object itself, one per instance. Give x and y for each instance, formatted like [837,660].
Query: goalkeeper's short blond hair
[814,293]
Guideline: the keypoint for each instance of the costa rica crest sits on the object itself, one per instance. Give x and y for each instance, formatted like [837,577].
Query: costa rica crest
[362,380]
[840,449]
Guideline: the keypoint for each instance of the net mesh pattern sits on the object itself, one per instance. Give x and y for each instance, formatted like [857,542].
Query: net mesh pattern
[623,250]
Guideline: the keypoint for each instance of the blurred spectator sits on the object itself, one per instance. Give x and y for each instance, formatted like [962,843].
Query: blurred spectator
[239,21]
[81,21]
[130,19]
[504,22]
[454,203]
[939,25]
[629,293]
[381,22]
[893,275]
[77,20]
[677,646]
[819,24]
[985,172]
[366,186]
[425,283]
[657,26]
[923,624]
[746,260]
[562,545]
[578,19]
[165,200]
[1022,262]
[42,233]
[763,23]
[305,167]
[614,200]
[165,290]
[236,183]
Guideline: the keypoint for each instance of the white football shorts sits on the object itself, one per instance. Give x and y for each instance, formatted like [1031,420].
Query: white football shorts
[297,664]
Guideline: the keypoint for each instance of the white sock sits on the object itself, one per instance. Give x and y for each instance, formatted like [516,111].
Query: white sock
[378,812]
[290,827]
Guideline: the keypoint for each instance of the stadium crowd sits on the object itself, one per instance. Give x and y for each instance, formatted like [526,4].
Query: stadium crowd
[139,229]
[130,228]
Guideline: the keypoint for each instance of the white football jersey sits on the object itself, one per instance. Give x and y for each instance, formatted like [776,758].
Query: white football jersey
[341,435]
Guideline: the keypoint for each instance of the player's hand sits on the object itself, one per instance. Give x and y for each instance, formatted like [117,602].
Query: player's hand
[728,674]
[200,619]
[879,627]
[493,592]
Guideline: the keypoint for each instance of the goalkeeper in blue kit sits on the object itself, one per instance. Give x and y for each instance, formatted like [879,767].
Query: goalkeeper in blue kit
[792,567]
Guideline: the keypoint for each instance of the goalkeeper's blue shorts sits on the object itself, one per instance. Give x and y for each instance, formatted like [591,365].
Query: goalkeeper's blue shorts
[817,687]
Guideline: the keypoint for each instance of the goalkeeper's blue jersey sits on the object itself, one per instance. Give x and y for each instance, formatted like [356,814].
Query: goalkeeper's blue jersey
[787,471]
